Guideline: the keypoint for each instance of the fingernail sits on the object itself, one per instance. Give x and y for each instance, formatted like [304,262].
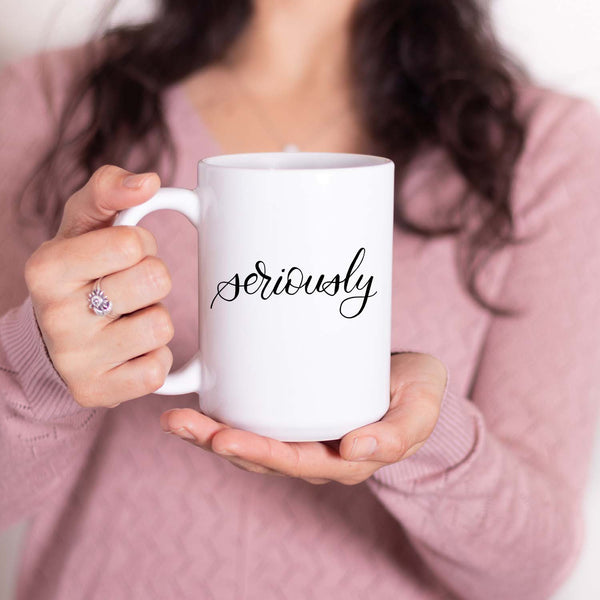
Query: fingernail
[184,433]
[164,421]
[134,181]
[363,447]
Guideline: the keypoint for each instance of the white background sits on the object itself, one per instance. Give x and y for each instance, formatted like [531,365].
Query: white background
[557,39]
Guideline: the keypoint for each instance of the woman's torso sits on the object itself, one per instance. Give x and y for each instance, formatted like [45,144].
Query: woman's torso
[152,517]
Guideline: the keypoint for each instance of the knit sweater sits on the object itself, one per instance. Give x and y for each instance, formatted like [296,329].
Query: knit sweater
[488,508]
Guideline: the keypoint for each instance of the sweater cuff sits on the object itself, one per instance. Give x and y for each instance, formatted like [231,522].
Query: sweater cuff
[46,393]
[452,441]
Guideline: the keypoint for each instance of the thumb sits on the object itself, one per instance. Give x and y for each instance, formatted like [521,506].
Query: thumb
[418,383]
[109,190]
[410,420]
[401,432]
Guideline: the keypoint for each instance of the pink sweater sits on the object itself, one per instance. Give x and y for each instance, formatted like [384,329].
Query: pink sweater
[488,508]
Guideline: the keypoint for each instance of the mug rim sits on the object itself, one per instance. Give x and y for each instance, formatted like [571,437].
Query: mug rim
[264,161]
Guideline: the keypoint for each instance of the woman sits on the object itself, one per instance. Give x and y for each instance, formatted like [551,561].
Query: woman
[471,485]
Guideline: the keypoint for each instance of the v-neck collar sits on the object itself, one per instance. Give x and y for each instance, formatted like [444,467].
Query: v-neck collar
[190,121]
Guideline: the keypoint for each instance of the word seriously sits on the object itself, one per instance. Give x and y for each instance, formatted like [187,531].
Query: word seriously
[294,281]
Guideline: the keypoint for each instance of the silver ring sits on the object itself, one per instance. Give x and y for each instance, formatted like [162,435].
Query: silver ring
[99,303]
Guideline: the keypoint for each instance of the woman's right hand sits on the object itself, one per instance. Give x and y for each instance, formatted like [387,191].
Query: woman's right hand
[104,362]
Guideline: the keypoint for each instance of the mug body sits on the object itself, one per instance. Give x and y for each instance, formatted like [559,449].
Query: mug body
[295,266]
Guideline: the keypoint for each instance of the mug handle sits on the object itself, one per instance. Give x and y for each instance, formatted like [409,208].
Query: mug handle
[187,202]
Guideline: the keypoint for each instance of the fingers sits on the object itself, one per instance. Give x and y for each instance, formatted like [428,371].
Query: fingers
[191,425]
[312,461]
[418,382]
[133,335]
[246,465]
[195,427]
[133,379]
[142,285]
[60,267]
[315,462]
[102,368]
[109,190]
[103,362]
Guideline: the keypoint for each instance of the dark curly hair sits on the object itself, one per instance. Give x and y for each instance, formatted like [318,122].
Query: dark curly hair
[428,74]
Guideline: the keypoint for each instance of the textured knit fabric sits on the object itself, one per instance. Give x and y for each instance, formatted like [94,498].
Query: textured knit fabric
[488,508]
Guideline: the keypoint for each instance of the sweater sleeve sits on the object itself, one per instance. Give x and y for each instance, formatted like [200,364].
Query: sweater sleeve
[492,501]
[44,433]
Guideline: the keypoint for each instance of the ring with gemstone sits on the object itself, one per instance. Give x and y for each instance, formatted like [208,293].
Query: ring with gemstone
[99,303]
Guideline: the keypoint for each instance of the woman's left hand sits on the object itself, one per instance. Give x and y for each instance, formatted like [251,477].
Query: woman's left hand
[417,387]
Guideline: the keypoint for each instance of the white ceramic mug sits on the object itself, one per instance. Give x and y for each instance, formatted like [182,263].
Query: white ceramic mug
[295,266]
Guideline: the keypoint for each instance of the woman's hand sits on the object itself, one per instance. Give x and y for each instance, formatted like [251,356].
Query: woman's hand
[104,362]
[418,382]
